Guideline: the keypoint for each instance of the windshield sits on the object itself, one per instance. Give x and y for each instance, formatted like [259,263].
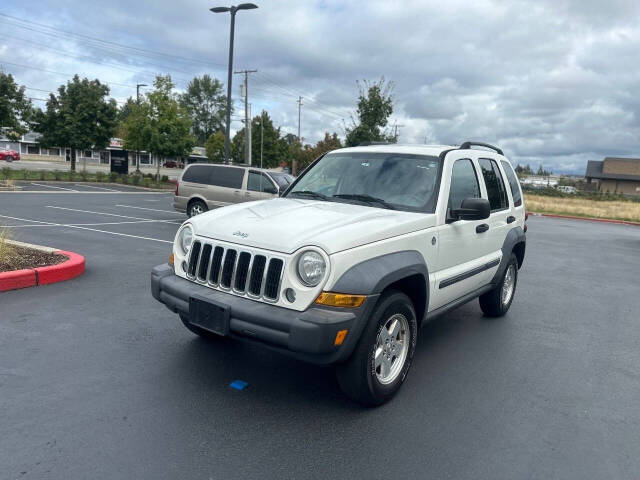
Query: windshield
[384,180]
[282,179]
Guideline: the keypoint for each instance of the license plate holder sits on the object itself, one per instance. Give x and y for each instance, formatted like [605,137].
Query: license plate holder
[209,315]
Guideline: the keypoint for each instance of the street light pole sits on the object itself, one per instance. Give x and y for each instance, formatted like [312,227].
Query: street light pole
[233,10]
[137,159]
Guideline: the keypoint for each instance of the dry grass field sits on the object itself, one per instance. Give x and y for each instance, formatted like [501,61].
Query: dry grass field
[583,207]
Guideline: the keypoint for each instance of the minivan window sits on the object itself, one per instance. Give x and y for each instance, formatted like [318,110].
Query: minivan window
[513,183]
[197,174]
[259,182]
[464,183]
[494,183]
[228,177]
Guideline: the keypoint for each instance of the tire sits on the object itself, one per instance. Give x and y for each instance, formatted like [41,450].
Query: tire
[196,207]
[199,331]
[9,158]
[362,377]
[496,302]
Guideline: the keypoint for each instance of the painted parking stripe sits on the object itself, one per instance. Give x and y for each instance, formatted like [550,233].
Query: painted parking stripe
[108,214]
[53,186]
[90,229]
[152,209]
[85,224]
[99,188]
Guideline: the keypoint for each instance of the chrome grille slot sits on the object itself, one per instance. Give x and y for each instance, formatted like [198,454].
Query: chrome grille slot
[228,268]
[242,270]
[194,258]
[216,265]
[243,273]
[205,257]
[272,280]
[257,272]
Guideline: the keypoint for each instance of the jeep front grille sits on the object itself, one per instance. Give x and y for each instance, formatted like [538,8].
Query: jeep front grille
[240,271]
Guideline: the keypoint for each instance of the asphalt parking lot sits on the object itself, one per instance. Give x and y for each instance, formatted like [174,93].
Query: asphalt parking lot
[98,380]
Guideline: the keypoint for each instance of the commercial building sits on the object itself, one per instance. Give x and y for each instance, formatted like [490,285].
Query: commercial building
[614,175]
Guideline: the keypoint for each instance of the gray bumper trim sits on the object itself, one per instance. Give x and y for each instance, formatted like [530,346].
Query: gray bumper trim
[307,335]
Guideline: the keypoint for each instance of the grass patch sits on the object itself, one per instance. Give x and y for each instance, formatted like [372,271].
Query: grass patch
[583,207]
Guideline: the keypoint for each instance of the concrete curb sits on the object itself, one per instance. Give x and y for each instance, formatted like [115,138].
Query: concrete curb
[590,219]
[73,267]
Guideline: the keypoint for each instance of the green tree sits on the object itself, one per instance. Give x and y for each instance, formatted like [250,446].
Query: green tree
[125,109]
[16,110]
[375,106]
[263,134]
[215,147]
[159,124]
[79,117]
[206,104]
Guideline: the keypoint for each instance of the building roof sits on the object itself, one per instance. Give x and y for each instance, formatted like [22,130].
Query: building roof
[594,170]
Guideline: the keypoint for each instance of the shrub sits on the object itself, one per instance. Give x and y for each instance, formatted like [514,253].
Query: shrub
[164,179]
[42,175]
[84,175]
[24,173]
[100,176]
[6,173]
[113,177]
[146,182]
[135,179]
[57,175]
[73,176]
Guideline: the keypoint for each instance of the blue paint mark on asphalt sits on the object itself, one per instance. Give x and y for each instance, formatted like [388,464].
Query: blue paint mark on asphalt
[239,384]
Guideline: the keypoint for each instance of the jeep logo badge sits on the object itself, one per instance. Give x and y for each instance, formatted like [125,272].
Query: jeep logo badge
[240,234]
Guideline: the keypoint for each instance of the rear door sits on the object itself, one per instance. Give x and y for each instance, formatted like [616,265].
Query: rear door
[224,185]
[194,181]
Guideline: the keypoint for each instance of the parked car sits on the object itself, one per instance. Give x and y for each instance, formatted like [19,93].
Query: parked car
[567,189]
[365,246]
[173,164]
[9,155]
[203,186]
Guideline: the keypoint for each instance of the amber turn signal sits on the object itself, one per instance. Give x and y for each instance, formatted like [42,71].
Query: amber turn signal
[340,300]
[171,259]
[340,336]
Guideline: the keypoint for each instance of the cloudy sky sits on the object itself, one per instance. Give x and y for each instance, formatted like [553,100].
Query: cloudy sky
[553,82]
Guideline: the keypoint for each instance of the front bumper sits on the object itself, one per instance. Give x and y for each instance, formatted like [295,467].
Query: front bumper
[307,335]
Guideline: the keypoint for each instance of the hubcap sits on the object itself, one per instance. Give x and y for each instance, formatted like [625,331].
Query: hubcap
[196,210]
[391,348]
[508,284]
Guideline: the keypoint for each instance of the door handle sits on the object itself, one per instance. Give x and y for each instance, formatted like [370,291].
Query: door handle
[483,227]
[247,194]
[511,219]
[236,192]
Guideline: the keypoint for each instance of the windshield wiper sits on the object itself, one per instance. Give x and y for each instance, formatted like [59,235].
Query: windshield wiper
[365,198]
[309,193]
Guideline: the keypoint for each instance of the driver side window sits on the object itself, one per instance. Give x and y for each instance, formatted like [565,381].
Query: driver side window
[464,183]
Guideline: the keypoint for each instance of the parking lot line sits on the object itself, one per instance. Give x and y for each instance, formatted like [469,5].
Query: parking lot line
[152,209]
[109,214]
[87,228]
[99,188]
[53,186]
[84,224]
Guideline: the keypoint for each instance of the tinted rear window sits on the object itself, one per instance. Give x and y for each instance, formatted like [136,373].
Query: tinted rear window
[229,177]
[513,183]
[495,186]
[197,174]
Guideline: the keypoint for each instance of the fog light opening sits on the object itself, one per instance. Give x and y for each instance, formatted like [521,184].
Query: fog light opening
[290,295]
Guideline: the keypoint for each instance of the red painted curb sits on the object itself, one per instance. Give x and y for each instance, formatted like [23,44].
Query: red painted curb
[66,270]
[591,219]
[17,279]
[62,271]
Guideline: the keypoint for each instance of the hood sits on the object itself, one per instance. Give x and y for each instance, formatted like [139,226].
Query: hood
[285,225]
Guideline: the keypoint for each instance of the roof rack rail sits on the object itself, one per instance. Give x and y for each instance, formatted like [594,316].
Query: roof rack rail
[367,143]
[467,146]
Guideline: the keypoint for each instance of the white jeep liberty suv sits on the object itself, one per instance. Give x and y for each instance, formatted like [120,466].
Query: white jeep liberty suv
[368,243]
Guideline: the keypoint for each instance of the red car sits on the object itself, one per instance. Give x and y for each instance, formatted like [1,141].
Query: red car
[173,164]
[9,155]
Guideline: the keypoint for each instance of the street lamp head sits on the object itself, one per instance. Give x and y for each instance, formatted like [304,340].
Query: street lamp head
[220,9]
[246,6]
[142,85]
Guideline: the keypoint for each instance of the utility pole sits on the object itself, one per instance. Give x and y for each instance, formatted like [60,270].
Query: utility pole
[395,134]
[261,138]
[247,120]
[137,159]
[294,163]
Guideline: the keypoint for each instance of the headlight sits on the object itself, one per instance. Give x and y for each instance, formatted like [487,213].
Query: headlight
[311,268]
[185,238]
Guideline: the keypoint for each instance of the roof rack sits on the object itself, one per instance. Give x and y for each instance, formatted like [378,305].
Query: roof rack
[367,143]
[467,146]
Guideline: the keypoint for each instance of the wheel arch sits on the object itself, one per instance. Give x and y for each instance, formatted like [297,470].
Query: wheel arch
[405,271]
[514,242]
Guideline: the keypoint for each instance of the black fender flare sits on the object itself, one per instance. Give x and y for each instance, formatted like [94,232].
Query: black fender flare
[516,235]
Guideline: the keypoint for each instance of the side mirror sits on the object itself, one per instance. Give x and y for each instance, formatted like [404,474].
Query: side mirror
[472,209]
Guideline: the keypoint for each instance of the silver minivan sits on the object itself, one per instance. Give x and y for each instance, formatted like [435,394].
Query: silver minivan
[202,186]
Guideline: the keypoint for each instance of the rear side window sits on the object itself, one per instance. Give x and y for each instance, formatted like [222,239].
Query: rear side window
[259,182]
[229,177]
[513,183]
[197,174]
[494,183]
[464,183]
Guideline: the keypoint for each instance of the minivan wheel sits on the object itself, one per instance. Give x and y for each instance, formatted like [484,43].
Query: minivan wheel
[381,360]
[496,302]
[196,207]
[9,158]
